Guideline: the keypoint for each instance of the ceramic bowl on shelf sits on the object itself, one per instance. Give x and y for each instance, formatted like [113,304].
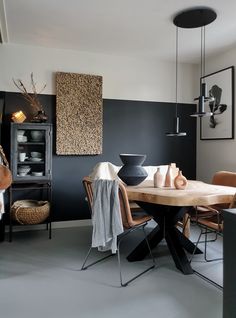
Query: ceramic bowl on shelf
[20,132]
[22,174]
[24,170]
[37,173]
[24,167]
[37,135]
[21,138]
[35,154]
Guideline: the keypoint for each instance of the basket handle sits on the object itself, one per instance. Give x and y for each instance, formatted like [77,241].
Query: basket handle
[16,216]
[3,156]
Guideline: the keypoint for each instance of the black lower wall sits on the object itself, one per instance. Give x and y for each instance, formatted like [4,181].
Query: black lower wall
[128,127]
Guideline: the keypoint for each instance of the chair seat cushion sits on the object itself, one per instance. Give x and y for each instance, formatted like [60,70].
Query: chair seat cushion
[138,220]
[134,207]
[210,222]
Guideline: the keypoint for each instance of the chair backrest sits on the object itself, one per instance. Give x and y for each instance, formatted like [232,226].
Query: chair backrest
[233,203]
[126,215]
[87,183]
[225,178]
[212,220]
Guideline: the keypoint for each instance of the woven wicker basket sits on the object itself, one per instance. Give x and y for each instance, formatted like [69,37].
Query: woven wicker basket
[30,211]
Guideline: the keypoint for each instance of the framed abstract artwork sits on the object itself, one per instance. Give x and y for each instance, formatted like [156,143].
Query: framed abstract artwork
[220,86]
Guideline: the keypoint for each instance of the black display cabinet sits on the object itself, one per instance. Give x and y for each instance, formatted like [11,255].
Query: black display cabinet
[31,164]
[229,272]
[31,152]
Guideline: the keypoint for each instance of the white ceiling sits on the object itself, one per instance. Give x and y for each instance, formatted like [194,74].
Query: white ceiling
[138,28]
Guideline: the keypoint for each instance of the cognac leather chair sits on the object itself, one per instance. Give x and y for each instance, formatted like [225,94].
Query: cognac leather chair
[130,224]
[209,218]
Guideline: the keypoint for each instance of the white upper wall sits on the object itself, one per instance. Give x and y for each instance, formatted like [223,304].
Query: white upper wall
[215,155]
[123,77]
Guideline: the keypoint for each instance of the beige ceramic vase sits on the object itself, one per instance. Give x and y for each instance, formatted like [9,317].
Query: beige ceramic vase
[158,179]
[168,178]
[174,170]
[180,181]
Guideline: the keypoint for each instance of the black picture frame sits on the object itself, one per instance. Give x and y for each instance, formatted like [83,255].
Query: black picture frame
[220,125]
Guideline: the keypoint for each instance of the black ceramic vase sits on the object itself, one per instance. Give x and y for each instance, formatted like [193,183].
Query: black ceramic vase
[132,173]
[40,117]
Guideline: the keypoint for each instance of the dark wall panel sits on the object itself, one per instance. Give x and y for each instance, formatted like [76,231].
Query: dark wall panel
[129,127]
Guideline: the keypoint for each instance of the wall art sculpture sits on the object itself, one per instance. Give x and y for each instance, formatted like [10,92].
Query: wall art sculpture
[220,125]
[79,114]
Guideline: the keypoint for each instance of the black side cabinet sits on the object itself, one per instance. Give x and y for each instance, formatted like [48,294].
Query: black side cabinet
[30,163]
[229,296]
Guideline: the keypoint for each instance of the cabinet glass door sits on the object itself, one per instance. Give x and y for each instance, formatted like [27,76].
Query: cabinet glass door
[31,152]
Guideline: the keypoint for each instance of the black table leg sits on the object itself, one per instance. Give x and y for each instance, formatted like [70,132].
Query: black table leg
[177,251]
[166,218]
[187,244]
[139,253]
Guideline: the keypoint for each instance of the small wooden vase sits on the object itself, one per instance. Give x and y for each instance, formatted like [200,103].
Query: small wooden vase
[158,179]
[168,178]
[180,181]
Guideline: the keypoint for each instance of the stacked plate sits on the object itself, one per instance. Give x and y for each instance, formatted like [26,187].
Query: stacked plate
[36,156]
[37,174]
[36,159]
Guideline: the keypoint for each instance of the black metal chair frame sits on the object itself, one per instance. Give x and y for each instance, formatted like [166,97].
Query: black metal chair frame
[119,240]
[205,230]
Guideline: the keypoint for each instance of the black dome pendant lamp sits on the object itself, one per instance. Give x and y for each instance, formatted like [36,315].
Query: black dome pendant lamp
[176,132]
[198,18]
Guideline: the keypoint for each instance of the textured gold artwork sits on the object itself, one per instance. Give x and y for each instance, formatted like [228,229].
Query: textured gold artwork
[78,114]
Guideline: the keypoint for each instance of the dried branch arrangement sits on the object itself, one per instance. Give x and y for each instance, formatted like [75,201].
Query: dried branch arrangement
[31,98]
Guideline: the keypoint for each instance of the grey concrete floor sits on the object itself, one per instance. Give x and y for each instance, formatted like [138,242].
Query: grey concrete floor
[41,278]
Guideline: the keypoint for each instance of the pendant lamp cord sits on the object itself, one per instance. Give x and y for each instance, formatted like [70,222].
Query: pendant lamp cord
[176,71]
[203,50]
